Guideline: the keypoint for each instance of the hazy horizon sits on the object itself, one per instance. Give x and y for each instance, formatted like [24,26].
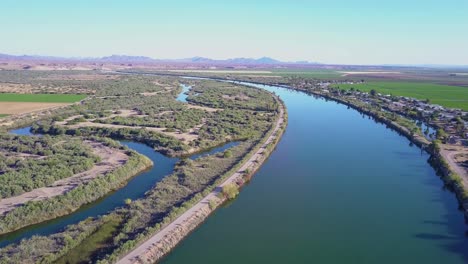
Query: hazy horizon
[331,32]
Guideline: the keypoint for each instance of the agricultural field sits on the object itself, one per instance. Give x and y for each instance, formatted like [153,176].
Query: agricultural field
[41,98]
[444,95]
[11,104]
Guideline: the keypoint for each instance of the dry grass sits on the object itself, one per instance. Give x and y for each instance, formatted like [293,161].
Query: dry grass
[13,108]
[16,88]
[79,77]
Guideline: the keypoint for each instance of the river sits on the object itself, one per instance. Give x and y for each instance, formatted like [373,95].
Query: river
[339,188]
[134,189]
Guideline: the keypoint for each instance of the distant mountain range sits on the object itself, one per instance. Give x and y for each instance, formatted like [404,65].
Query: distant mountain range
[143,59]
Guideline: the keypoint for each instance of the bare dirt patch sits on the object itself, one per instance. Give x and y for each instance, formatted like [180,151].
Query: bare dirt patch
[16,88]
[111,158]
[153,93]
[206,108]
[241,97]
[79,77]
[26,88]
[457,158]
[12,108]
[184,137]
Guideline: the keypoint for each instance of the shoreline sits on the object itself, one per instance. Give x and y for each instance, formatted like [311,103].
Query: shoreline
[437,159]
[112,158]
[163,241]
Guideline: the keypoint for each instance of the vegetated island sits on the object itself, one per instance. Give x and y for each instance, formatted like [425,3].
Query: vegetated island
[142,109]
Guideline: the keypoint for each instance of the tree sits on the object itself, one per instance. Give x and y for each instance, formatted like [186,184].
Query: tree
[228,153]
[230,191]
[373,92]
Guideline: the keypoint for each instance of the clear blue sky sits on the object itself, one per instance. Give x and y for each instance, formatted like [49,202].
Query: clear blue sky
[328,31]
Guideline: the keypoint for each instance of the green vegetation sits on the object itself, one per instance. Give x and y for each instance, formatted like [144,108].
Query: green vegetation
[448,96]
[230,191]
[162,143]
[38,211]
[90,246]
[41,98]
[3,115]
[47,249]
[27,163]
[244,113]
[227,96]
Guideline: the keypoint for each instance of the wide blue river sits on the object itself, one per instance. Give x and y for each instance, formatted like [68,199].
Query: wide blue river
[339,188]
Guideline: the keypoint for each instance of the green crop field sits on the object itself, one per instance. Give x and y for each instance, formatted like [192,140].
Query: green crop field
[3,115]
[41,98]
[308,73]
[448,96]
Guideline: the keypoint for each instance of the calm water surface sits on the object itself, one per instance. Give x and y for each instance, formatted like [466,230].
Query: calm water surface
[134,189]
[339,188]
[182,97]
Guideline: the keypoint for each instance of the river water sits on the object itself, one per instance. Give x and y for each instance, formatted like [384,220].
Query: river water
[135,188]
[339,188]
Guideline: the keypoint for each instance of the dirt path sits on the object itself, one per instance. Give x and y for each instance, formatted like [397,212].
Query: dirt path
[111,158]
[142,253]
[449,152]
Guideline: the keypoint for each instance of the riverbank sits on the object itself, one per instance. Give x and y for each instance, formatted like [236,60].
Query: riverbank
[70,198]
[440,159]
[447,169]
[157,246]
[111,159]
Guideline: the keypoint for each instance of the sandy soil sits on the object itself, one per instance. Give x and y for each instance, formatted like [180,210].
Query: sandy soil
[21,155]
[206,108]
[29,89]
[78,77]
[241,97]
[456,156]
[12,108]
[16,88]
[152,93]
[111,159]
[141,253]
[184,137]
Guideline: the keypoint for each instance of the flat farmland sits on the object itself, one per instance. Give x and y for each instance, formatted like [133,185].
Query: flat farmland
[41,98]
[13,108]
[445,95]
[11,104]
